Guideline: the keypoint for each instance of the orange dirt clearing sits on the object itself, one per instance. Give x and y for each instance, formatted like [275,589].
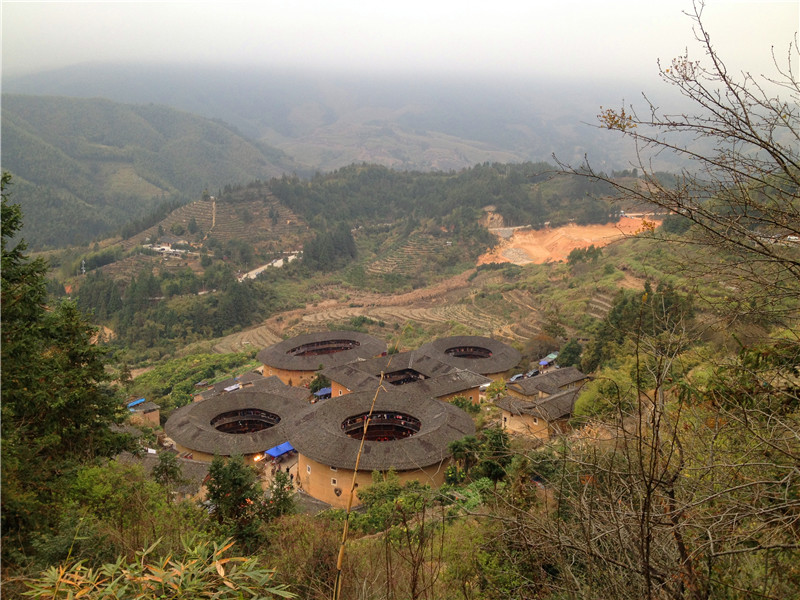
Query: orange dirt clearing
[525,246]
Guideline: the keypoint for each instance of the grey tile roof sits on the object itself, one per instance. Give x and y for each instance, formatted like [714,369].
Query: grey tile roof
[441,379]
[193,471]
[451,383]
[503,357]
[352,377]
[548,383]
[319,436]
[144,407]
[280,355]
[255,381]
[190,426]
[551,408]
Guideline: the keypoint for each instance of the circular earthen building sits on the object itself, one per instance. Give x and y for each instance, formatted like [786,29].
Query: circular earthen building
[408,433]
[478,354]
[296,360]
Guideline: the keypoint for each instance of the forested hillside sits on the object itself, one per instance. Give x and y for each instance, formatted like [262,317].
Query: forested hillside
[97,164]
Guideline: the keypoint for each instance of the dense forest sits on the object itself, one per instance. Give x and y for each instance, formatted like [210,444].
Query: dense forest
[677,477]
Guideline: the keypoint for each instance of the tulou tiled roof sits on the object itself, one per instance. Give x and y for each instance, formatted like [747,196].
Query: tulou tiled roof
[255,381]
[454,382]
[319,435]
[280,355]
[551,408]
[190,426]
[548,383]
[440,379]
[503,357]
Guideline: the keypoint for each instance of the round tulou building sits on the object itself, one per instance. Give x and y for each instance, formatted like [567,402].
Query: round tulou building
[407,432]
[296,360]
[482,355]
[242,422]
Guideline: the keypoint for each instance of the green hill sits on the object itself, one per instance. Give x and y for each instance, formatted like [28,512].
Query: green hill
[97,164]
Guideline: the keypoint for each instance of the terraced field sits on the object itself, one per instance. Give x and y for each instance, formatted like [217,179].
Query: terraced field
[260,337]
[127,268]
[599,305]
[407,258]
[202,211]
[249,220]
[448,302]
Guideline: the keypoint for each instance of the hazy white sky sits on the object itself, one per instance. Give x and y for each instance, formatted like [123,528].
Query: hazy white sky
[569,38]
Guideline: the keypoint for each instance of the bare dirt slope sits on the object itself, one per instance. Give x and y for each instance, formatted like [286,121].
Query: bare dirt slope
[523,246]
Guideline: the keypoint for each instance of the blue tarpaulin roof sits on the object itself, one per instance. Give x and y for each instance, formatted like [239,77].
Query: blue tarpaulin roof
[323,392]
[280,449]
[549,358]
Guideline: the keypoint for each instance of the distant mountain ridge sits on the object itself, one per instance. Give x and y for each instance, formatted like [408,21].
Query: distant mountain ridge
[83,167]
[329,120]
[108,143]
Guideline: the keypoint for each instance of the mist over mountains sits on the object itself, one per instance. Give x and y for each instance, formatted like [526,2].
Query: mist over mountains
[105,144]
[327,120]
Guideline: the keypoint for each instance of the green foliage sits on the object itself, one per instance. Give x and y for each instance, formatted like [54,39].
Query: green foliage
[675,224]
[360,322]
[634,315]
[158,313]
[280,497]
[495,390]
[57,409]
[99,295]
[236,499]
[203,570]
[319,382]
[382,498]
[579,255]
[610,393]
[329,250]
[466,405]
[98,164]
[570,354]
[97,259]
[167,472]
[172,383]
[466,451]
[122,511]
[304,551]
[495,454]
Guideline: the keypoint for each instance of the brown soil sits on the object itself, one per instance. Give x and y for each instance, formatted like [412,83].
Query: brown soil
[554,245]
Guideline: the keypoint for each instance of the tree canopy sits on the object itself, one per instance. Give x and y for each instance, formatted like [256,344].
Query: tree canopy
[57,406]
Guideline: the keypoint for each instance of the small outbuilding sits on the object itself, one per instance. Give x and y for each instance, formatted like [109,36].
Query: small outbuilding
[542,419]
[547,384]
[145,413]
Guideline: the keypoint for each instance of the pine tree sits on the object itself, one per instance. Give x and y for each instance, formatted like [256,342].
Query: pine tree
[57,408]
